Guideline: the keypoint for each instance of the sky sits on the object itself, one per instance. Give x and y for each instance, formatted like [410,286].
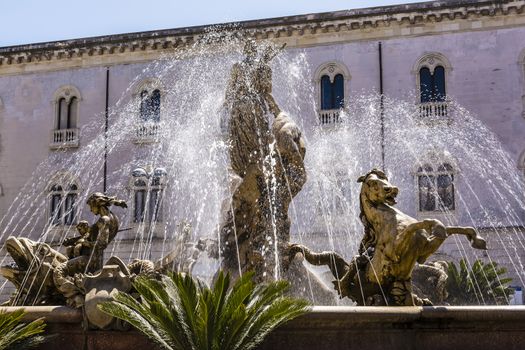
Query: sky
[32,21]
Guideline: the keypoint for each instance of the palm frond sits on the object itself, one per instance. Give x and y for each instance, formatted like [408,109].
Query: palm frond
[481,283]
[179,312]
[17,335]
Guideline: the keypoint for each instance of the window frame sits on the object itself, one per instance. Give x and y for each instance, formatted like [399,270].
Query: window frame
[435,173]
[432,60]
[149,186]
[331,69]
[69,94]
[63,186]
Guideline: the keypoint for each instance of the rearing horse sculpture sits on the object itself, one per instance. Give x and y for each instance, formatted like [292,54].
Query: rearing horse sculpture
[392,244]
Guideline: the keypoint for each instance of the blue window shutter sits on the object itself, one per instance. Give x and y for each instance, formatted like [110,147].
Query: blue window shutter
[155,106]
[425,85]
[339,91]
[326,93]
[439,84]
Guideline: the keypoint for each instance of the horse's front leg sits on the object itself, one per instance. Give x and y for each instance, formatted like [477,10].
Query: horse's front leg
[434,227]
[438,234]
[473,236]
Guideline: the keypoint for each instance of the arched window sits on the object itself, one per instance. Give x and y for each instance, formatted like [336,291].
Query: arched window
[148,191]
[332,92]
[331,81]
[431,71]
[66,108]
[436,187]
[63,195]
[432,85]
[150,105]
[65,134]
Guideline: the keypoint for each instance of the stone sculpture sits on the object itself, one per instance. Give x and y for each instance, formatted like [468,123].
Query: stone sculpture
[392,245]
[44,276]
[266,154]
[32,272]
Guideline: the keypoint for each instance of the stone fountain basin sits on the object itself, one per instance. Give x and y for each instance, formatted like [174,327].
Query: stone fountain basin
[334,328]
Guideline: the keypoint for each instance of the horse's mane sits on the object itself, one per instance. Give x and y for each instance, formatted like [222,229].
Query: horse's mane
[370,237]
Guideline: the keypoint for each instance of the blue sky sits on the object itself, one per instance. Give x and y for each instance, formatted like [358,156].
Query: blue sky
[31,21]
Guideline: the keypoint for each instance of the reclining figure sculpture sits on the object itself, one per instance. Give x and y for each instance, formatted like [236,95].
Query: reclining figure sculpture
[393,243]
[44,276]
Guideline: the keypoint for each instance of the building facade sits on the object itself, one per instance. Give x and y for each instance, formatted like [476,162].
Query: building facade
[437,59]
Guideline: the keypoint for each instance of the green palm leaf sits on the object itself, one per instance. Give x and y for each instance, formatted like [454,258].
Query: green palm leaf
[179,312]
[17,335]
[482,283]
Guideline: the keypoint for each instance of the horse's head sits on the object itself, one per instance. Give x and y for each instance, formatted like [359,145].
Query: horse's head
[377,189]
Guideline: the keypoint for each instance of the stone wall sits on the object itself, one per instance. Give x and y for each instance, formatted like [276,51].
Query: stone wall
[336,328]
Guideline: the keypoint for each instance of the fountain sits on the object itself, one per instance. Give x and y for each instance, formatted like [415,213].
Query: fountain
[257,177]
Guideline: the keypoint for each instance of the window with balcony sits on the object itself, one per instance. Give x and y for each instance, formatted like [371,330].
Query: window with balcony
[331,85]
[148,192]
[65,130]
[436,188]
[149,98]
[63,200]
[432,70]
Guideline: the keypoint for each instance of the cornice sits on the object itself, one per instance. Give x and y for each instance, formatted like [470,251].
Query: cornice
[145,44]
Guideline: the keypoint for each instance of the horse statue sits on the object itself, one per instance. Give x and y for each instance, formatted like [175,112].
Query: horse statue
[392,245]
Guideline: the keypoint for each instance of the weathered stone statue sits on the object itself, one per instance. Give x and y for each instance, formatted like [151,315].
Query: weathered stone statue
[43,276]
[32,272]
[392,245]
[267,166]
[88,248]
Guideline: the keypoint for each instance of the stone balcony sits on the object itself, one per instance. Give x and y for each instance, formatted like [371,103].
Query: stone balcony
[64,138]
[148,132]
[329,117]
[434,110]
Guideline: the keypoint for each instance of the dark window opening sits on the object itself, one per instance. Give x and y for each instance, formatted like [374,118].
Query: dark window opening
[67,113]
[150,106]
[432,86]
[436,189]
[332,93]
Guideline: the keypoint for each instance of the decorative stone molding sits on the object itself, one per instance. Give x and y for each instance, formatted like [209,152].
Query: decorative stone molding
[148,84]
[63,178]
[431,60]
[436,156]
[67,92]
[275,28]
[331,69]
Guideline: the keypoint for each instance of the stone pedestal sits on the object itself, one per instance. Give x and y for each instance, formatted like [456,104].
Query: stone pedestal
[334,328]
